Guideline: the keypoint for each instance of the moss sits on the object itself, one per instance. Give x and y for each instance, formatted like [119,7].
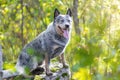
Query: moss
[54,69]
[37,77]
[64,74]
[58,78]
[20,77]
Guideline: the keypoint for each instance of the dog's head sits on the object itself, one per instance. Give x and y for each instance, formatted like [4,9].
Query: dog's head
[63,23]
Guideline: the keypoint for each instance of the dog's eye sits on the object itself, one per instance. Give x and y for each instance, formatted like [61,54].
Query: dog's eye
[62,20]
[68,20]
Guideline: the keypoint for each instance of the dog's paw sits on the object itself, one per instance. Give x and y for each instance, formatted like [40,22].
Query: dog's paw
[37,71]
[49,73]
[65,65]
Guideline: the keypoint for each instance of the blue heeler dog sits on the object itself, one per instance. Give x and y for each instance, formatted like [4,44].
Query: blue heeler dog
[47,45]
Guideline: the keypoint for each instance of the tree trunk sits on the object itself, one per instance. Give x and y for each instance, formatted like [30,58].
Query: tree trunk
[75,16]
[22,23]
[1,62]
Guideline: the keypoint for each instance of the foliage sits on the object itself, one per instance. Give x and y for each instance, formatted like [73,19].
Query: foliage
[95,52]
[92,55]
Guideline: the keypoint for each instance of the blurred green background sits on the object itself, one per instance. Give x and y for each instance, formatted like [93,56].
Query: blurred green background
[94,50]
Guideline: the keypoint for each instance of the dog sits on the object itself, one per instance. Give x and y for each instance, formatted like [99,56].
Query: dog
[47,45]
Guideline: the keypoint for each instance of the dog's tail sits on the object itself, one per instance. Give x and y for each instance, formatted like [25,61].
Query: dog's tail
[6,73]
[9,73]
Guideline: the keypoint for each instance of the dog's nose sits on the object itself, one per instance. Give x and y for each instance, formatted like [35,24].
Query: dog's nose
[67,26]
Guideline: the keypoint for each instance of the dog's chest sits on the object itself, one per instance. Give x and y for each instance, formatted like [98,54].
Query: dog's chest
[58,46]
[57,50]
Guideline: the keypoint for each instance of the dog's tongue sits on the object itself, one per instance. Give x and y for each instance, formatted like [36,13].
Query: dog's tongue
[66,34]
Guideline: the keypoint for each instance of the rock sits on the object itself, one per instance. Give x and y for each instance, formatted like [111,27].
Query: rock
[58,74]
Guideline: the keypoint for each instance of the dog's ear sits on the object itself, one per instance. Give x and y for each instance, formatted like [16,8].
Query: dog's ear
[69,12]
[56,13]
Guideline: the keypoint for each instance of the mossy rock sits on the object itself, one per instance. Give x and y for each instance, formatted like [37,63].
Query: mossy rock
[54,69]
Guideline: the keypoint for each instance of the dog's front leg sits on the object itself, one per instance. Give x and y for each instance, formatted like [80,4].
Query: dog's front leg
[47,62]
[62,59]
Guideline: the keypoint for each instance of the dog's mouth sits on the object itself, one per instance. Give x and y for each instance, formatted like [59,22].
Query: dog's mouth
[65,32]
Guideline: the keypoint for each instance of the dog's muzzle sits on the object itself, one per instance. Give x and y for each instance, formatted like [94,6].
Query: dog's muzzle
[66,26]
[65,31]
